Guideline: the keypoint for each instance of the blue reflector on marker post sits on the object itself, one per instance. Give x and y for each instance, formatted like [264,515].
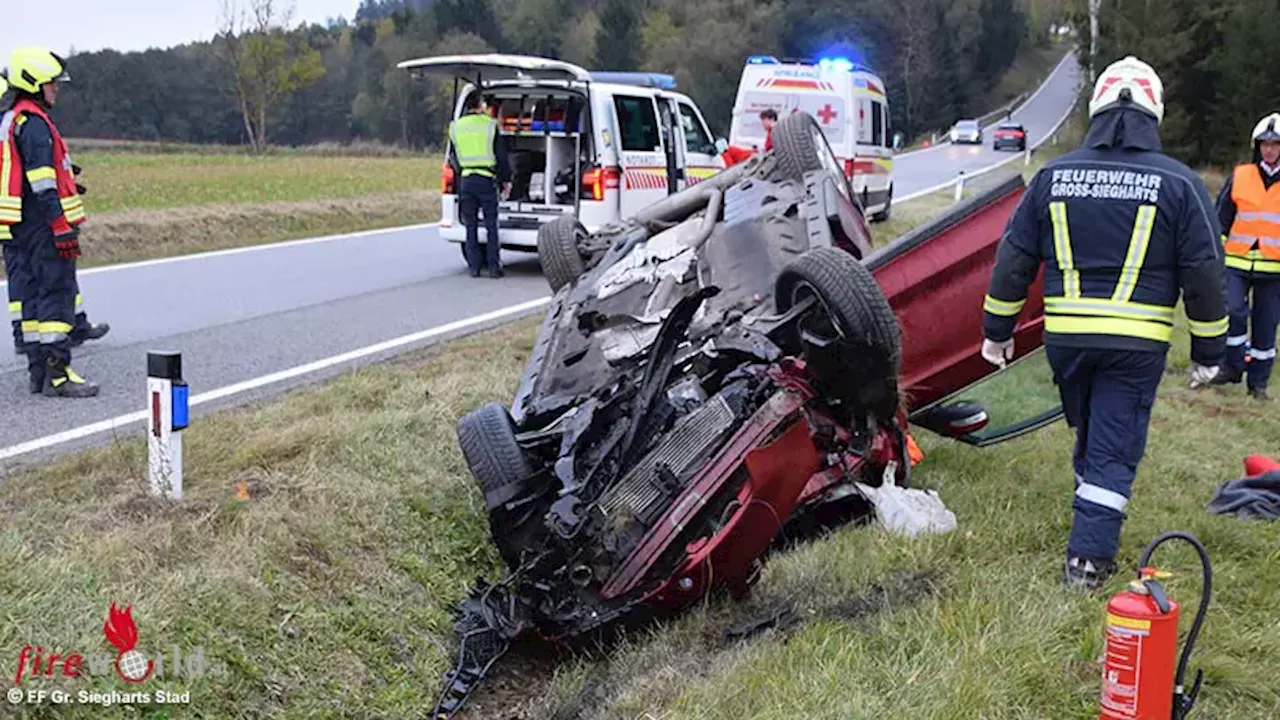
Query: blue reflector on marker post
[181,395]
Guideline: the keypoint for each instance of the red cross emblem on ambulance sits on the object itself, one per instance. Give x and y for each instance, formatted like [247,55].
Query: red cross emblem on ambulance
[827,114]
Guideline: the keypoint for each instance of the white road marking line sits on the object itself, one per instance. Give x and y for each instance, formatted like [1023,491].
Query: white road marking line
[246,249]
[470,323]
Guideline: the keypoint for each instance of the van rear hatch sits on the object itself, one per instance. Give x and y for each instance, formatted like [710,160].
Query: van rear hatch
[544,114]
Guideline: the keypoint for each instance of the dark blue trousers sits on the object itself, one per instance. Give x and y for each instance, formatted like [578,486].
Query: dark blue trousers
[55,290]
[475,193]
[1256,326]
[1107,396]
[17,267]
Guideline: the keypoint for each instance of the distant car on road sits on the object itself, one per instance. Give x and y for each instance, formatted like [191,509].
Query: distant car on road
[1009,135]
[966,131]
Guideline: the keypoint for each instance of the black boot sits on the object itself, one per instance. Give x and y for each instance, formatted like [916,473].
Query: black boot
[1225,378]
[88,332]
[61,381]
[1259,393]
[1083,573]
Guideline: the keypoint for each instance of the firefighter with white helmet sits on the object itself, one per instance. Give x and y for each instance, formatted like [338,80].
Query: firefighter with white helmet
[1249,212]
[1123,231]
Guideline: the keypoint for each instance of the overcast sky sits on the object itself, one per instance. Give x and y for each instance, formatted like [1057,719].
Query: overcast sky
[89,25]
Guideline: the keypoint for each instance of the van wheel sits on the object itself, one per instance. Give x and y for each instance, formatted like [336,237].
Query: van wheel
[851,337]
[883,215]
[559,243]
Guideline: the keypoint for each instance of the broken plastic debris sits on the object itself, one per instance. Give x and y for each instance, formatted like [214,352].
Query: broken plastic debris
[909,511]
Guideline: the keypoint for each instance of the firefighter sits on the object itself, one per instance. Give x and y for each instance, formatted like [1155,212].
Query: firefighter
[1249,213]
[37,172]
[1122,230]
[476,155]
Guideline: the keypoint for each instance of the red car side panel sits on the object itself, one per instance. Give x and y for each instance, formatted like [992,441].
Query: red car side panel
[936,287]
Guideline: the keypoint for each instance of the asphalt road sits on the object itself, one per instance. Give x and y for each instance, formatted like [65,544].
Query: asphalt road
[244,318]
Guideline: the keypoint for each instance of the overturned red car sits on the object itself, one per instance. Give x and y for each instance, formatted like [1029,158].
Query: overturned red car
[716,370]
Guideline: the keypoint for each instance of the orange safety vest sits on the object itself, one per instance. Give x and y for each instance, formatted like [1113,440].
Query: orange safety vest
[1253,240]
[12,173]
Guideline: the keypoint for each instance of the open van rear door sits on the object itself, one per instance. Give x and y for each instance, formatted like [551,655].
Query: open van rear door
[496,66]
[935,278]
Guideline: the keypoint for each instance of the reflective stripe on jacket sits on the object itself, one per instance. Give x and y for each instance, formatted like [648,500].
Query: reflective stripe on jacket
[57,176]
[1121,235]
[1252,242]
[472,136]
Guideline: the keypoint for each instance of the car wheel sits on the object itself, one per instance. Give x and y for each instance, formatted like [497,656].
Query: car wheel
[487,437]
[850,307]
[801,148]
[558,251]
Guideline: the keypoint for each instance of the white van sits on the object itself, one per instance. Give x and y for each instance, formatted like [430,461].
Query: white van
[849,103]
[635,140]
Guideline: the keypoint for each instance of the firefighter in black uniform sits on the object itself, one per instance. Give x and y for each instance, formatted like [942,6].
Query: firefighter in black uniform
[37,176]
[1122,229]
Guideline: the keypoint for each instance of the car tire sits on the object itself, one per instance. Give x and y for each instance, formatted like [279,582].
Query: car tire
[559,254]
[856,308]
[795,147]
[487,437]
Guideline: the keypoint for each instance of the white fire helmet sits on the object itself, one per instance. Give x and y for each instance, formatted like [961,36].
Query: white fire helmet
[1128,82]
[1268,128]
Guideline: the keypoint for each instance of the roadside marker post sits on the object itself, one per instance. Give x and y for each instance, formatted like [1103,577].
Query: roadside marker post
[960,187]
[167,399]
[1027,156]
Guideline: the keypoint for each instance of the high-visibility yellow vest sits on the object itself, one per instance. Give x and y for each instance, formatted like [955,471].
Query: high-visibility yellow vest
[1257,223]
[472,137]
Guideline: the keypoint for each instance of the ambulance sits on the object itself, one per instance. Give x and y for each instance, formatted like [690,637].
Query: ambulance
[849,102]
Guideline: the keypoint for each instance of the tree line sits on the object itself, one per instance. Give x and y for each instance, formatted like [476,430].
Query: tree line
[264,79]
[1214,58]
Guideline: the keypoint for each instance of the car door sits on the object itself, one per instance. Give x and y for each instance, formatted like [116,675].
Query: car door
[936,278]
[644,160]
[701,159]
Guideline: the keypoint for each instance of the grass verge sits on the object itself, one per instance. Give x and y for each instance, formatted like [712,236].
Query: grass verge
[324,536]
[145,234]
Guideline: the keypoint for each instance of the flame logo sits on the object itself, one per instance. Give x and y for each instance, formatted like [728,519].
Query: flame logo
[131,665]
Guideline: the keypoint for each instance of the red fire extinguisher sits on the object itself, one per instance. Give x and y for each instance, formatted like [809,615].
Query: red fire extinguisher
[1138,677]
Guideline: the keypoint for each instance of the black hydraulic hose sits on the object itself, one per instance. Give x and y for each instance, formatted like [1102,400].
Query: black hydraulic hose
[1181,707]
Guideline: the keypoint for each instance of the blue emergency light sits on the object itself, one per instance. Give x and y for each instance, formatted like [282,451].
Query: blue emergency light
[837,63]
[642,79]
[762,60]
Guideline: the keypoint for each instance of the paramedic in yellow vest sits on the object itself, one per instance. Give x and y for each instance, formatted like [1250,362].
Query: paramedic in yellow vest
[480,163]
[1249,210]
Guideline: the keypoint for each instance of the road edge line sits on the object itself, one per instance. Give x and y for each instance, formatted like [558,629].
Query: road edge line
[464,327]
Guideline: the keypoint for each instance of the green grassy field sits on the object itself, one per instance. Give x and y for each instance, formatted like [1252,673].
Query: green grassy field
[325,535]
[147,203]
[125,181]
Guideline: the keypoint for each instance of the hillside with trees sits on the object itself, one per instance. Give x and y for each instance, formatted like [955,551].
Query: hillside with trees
[266,79]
